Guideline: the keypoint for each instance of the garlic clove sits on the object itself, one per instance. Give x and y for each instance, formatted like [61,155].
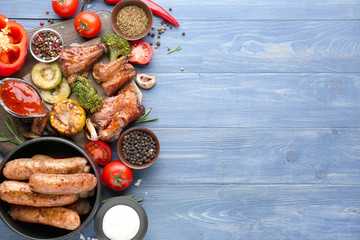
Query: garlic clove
[90,130]
[145,81]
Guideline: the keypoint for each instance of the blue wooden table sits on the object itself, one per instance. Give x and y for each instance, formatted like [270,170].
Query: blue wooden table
[260,133]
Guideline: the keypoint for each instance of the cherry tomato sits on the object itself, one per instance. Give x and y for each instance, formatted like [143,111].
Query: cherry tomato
[141,52]
[100,151]
[87,24]
[65,8]
[117,175]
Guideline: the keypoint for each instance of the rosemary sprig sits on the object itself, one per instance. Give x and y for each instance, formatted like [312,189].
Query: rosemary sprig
[143,118]
[130,196]
[175,49]
[17,138]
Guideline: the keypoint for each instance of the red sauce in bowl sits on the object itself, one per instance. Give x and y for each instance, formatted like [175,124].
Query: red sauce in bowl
[21,98]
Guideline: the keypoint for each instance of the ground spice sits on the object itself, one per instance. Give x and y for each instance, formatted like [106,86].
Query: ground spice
[132,21]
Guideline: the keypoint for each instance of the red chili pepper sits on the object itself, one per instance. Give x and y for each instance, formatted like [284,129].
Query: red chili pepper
[156,9]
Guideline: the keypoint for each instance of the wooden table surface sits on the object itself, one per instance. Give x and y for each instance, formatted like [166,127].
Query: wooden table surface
[260,134]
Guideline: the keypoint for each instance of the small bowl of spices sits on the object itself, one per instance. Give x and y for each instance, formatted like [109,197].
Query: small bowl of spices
[131,19]
[46,45]
[138,147]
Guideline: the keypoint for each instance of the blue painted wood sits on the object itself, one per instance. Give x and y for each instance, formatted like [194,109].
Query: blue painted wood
[258,47]
[260,132]
[246,212]
[229,10]
[254,100]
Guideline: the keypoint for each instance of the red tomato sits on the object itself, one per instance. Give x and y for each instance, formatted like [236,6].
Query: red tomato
[65,8]
[117,175]
[87,24]
[100,151]
[141,52]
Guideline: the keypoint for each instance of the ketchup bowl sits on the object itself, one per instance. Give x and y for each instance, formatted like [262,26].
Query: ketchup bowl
[21,99]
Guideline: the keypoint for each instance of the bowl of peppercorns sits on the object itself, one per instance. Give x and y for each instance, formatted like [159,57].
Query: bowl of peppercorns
[46,45]
[138,147]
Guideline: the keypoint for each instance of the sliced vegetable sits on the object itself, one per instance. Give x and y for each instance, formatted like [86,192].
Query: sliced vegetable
[46,76]
[13,46]
[100,151]
[90,131]
[141,52]
[67,117]
[144,81]
[87,24]
[117,176]
[62,91]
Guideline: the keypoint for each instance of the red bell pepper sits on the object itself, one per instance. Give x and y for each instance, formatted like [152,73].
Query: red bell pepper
[13,46]
[156,9]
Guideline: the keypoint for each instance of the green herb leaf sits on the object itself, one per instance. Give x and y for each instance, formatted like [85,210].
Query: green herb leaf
[178,48]
[143,118]
[17,137]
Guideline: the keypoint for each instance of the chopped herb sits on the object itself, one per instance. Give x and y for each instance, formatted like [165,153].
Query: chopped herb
[175,49]
[143,118]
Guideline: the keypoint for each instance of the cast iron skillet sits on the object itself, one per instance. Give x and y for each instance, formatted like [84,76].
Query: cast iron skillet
[57,148]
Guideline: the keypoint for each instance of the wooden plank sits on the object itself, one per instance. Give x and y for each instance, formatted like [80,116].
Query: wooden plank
[215,10]
[246,212]
[256,47]
[254,156]
[254,100]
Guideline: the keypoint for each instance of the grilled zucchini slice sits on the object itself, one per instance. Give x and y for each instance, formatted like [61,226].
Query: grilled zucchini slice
[62,91]
[46,76]
[67,117]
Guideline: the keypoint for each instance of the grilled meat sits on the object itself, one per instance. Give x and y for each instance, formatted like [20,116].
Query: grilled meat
[113,75]
[74,61]
[103,72]
[117,112]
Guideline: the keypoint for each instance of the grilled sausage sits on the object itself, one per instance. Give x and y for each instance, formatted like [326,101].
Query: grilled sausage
[23,168]
[62,183]
[81,206]
[54,216]
[20,193]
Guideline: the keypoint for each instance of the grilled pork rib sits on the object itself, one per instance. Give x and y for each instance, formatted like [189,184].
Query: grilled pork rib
[113,75]
[117,112]
[74,61]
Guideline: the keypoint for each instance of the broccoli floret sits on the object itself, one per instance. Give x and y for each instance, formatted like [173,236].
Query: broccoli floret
[86,94]
[117,45]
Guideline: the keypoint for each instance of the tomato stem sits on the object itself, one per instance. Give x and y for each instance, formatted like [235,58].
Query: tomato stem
[83,26]
[118,179]
[62,2]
